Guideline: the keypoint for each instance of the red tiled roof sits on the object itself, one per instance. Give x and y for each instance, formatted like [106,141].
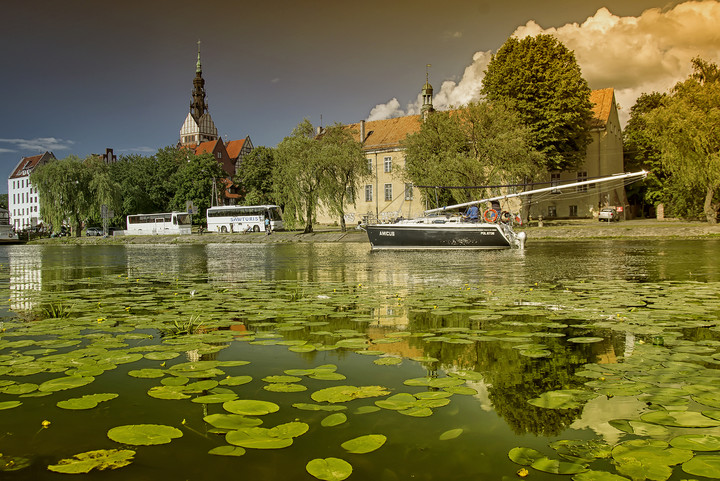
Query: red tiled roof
[386,133]
[234,147]
[28,163]
[602,101]
[206,147]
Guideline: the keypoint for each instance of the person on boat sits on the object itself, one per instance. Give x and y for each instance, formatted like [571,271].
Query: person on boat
[472,213]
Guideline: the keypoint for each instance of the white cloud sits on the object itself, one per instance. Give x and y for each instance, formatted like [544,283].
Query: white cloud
[386,111]
[40,144]
[634,55]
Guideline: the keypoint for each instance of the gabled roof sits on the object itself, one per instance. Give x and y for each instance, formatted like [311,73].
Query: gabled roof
[234,147]
[29,163]
[603,103]
[206,147]
[385,134]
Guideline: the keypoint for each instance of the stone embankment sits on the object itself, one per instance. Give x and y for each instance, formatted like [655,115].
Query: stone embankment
[579,229]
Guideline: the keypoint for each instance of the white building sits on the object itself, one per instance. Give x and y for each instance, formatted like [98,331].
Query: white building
[23,202]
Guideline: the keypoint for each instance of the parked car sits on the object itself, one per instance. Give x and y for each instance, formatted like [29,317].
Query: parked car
[94,231]
[608,214]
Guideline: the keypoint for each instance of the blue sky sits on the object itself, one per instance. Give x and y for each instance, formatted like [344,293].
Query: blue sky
[83,75]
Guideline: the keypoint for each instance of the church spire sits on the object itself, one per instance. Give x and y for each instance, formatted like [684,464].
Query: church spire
[427,95]
[198,106]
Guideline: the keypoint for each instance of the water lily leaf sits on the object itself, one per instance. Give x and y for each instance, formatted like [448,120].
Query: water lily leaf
[696,442]
[585,340]
[250,407]
[318,407]
[215,398]
[333,420]
[388,361]
[235,380]
[685,419]
[397,402]
[649,453]
[231,421]
[364,444]
[9,404]
[591,475]
[450,434]
[639,427]
[524,456]
[63,383]
[367,409]
[200,386]
[227,451]
[100,459]
[555,466]
[144,434]
[161,355]
[329,469]
[247,438]
[338,394]
[465,390]
[289,430]
[284,387]
[326,375]
[168,392]
[148,373]
[283,379]
[703,465]
[86,402]
[562,399]
[18,389]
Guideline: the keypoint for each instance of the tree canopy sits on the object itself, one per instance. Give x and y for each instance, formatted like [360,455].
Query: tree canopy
[256,176]
[544,80]
[685,129]
[482,144]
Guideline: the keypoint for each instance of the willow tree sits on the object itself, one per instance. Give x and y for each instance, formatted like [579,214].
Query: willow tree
[483,144]
[345,166]
[685,128]
[544,80]
[72,190]
[299,173]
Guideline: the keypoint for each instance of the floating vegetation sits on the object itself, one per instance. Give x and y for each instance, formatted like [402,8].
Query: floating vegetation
[288,365]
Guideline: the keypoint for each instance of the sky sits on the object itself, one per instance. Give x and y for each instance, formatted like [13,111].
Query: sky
[80,76]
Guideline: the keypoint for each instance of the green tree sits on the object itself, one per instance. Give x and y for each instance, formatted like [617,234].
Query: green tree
[686,130]
[299,173]
[194,182]
[64,192]
[3,201]
[345,166]
[256,176]
[543,78]
[482,144]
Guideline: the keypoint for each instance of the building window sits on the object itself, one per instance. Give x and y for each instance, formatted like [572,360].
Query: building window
[554,182]
[349,194]
[368,193]
[552,211]
[370,166]
[219,156]
[409,191]
[573,211]
[388,192]
[581,177]
[388,164]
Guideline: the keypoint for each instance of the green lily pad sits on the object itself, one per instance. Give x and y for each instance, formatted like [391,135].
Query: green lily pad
[450,434]
[591,475]
[144,434]
[227,451]
[585,340]
[333,420]
[318,407]
[696,442]
[329,469]
[524,456]
[235,380]
[282,379]
[9,404]
[232,421]
[101,459]
[250,407]
[284,387]
[338,394]
[148,373]
[63,383]
[168,392]
[388,361]
[684,419]
[398,402]
[703,465]
[279,437]
[86,402]
[215,398]
[364,444]
[555,466]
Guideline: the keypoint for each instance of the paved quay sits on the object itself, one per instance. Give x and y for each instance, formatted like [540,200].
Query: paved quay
[560,230]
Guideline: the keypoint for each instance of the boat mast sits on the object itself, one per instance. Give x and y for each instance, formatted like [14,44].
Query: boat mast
[642,173]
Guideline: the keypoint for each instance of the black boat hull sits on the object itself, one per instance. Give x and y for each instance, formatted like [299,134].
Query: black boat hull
[464,235]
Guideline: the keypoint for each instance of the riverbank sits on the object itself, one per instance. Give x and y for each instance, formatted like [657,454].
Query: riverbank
[562,230]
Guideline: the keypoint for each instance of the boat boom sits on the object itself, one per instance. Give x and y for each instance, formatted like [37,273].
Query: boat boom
[642,173]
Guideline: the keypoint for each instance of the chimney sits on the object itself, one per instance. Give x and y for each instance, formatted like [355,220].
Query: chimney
[362,131]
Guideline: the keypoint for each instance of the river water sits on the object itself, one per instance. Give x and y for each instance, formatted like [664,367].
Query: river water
[489,331]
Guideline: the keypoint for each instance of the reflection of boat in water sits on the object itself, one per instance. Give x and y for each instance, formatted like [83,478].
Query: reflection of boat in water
[7,233]
[439,229]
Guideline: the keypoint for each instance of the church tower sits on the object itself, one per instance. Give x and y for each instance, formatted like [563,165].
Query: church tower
[427,95]
[198,126]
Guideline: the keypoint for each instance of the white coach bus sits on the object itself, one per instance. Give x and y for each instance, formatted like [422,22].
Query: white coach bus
[164,223]
[243,218]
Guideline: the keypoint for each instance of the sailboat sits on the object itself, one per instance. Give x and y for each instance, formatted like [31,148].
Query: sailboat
[446,228]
